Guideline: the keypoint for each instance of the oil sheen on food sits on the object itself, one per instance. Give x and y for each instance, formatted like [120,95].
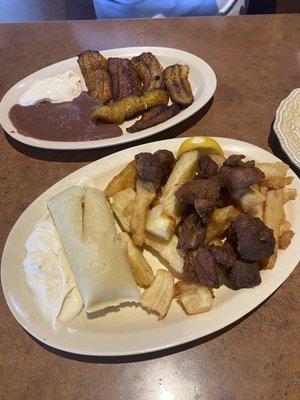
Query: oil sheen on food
[64,122]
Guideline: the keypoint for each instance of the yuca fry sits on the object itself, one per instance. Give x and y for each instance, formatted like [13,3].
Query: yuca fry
[272,170]
[145,194]
[170,207]
[277,182]
[289,194]
[140,268]
[121,207]
[272,218]
[159,295]
[250,199]
[220,221]
[285,239]
[168,251]
[124,180]
[258,210]
[194,298]
[285,232]
[159,223]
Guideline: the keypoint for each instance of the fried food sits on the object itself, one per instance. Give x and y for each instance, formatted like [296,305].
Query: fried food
[125,179]
[195,299]
[258,210]
[122,206]
[167,251]
[154,116]
[272,218]
[289,194]
[159,295]
[124,78]
[285,239]
[169,207]
[155,167]
[140,268]
[119,110]
[272,170]
[179,88]
[277,182]
[150,71]
[219,222]
[201,267]
[237,176]
[145,194]
[252,239]
[94,68]
[250,199]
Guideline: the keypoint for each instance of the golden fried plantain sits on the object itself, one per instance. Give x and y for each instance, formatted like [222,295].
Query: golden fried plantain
[94,68]
[155,116]
[117,111]
[149,70]
[125,80]
[179,88]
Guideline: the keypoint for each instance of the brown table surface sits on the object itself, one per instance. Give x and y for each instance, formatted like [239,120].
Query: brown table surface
[255,59]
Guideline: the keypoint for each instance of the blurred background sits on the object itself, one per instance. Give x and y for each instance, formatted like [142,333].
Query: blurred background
[54,10]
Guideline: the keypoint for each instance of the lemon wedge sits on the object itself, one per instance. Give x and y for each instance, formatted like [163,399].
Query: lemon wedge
[205,146]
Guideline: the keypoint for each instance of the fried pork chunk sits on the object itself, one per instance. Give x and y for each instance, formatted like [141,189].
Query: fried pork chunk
[154,116]
[252,239]
[154,167]
[200,266]
[94,68]
[179,88]
[237,177]
[192,233]
[244,275]
[223,255]
[125,80]
[207,167]
[198,189]
[149,70]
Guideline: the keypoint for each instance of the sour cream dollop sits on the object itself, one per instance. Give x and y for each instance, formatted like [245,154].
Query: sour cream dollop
[49,274]
[55,89]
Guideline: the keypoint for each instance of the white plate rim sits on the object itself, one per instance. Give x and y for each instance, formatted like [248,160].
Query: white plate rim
[226,321]
[210,82]
[277,127]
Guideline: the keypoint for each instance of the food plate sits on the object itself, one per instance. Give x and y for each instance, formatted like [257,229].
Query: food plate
[287,126]
[201,76]
[131,330]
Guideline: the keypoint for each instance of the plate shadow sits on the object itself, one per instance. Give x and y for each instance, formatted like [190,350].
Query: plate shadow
[146,356]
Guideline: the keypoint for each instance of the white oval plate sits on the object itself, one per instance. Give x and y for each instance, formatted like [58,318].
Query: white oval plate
[131,330]
[201,76]
[287,126]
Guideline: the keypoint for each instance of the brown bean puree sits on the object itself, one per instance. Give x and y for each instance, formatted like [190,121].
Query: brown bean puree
[68,122]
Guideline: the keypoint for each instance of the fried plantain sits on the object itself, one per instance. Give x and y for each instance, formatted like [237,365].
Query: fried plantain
[94,68]
[154,116]
[149,70]
[125,80]
[179,88]
[119,110]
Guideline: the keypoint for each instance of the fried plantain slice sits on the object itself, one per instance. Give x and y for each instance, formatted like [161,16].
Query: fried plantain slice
[119,110]
[149,70]
[94,68]
[125,80]
[179,88]
[155,116]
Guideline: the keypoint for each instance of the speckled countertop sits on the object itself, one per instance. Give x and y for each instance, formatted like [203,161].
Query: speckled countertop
[256,59]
